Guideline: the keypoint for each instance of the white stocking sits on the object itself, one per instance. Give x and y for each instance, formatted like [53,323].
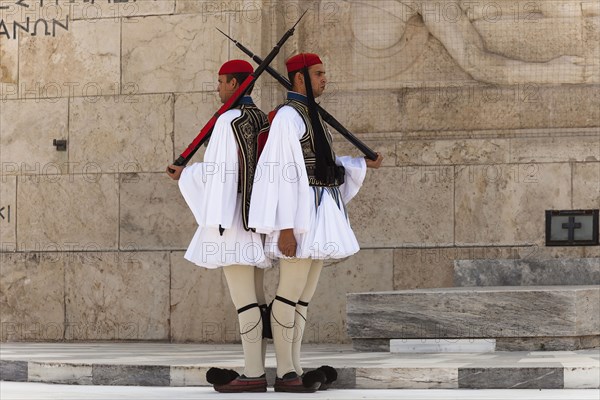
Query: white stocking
[240,279]
[302,310]
[259,275]
[293,274]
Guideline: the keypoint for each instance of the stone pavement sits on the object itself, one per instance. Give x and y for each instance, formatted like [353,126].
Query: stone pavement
[40,391]
[165,364]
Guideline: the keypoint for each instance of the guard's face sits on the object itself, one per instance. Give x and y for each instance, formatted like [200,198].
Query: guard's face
[226,89]
[317,79]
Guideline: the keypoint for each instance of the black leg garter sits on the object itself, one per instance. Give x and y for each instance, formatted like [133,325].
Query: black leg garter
[265,314]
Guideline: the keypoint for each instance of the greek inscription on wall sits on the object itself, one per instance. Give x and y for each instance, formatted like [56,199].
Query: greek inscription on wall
[41,17]
[5,213]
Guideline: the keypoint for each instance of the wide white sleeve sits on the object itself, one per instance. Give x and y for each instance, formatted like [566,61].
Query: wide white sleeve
[280,193]
[191,185]
[356,170]
[210,187]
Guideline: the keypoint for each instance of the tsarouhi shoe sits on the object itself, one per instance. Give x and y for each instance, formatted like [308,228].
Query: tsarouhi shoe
[293,383]
[244,384]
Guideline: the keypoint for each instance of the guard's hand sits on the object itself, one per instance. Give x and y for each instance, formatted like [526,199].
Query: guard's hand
[177,174]
[376,163]
[287,243]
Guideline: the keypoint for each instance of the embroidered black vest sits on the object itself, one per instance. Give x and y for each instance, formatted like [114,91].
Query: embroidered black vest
[307,142]
[246,129]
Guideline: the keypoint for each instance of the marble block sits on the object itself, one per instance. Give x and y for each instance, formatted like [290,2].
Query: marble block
[386,148]
[583,378]
[32,294]
[360,111]
[418,268]
[188,376]
[60,10]
[131,375]
[548,343]
[421,268]
[404,378]
[504,204]
[9,70]
[511,378]
[543,252]
[83,61]
[154,64]
[557,149]
[564,271]
[118,296]
[153,214]
[28,128]
[124,10]
[246,26]
[192,111]
[201,307]
[119,134]
[591,251]
[530,37]
[452,152]
[89,223]
[404,205]
[8,211]
[9,55]
[249,8]
[49,372]
[176,53]
[371,345]
[560,105]
[14,371]
[482,312]
[591,43]
[420,346]
[586,185]
[467,106]
[500,107]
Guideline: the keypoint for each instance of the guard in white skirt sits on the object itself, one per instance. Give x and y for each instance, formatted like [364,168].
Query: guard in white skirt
[299,201]
[218,192]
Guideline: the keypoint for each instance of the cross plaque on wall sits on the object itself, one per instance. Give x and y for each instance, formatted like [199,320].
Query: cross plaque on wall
[572,228]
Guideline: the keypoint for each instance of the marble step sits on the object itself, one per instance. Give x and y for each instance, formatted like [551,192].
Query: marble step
[170,364]
[422,346]
[519,318]
[570,271]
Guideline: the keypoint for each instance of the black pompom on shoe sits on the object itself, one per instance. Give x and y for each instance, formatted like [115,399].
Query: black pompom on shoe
[311,377]
[331,376]
[220,376]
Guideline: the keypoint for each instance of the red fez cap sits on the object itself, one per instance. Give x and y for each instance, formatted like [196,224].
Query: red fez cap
[236,67]
[299,61]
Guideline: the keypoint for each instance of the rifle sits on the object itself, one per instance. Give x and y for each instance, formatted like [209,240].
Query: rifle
[335,124]
[206,131]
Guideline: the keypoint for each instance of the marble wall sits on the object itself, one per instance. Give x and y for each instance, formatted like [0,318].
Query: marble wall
[487,113]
